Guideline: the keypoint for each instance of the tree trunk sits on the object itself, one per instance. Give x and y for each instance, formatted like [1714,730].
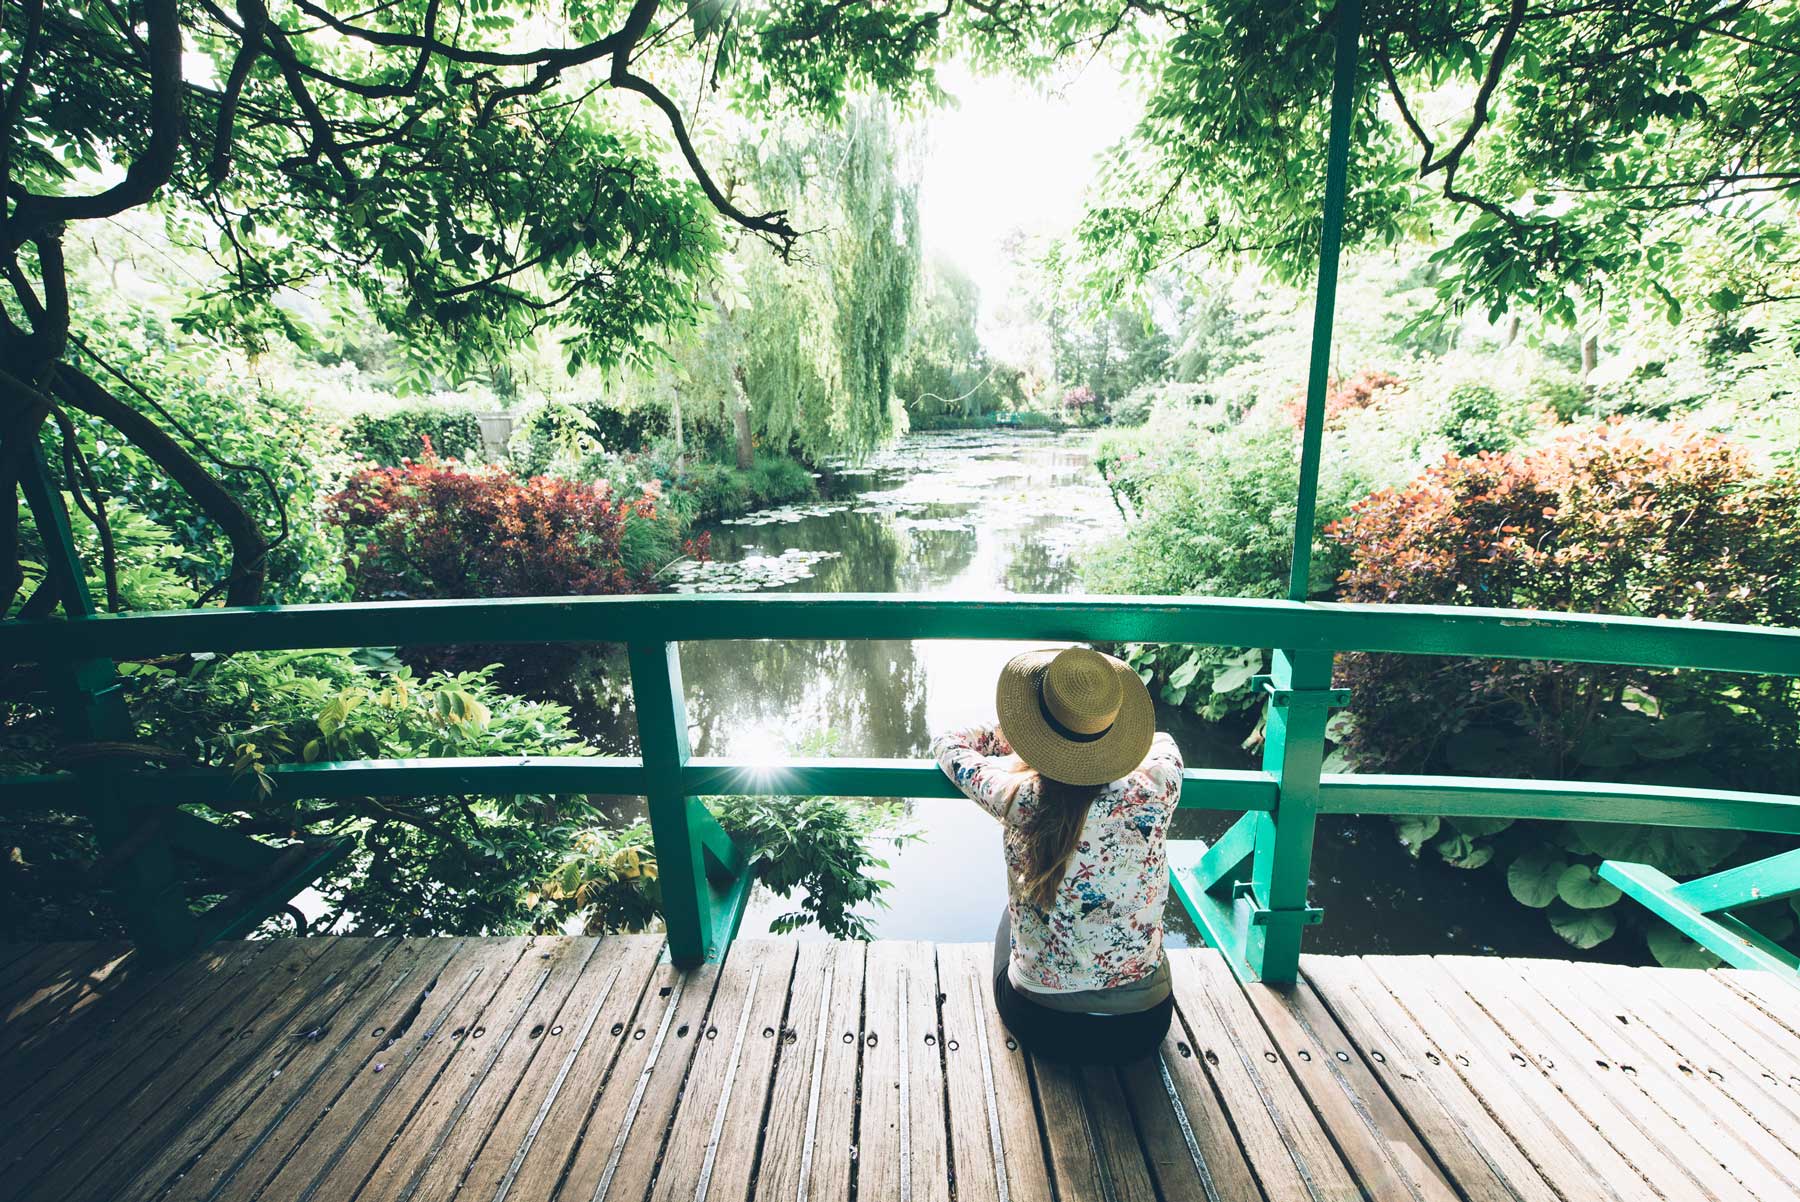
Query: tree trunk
[1590,355]
[740,418]
[675,426]
[1512,329]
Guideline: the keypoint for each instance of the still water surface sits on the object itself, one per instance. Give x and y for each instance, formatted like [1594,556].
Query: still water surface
[984,514]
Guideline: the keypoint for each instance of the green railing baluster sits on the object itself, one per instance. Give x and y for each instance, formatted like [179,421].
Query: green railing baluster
[1294,753]
[136,858]
[680,857]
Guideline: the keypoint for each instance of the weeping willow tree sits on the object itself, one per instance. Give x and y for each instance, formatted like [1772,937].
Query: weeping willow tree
[801,351]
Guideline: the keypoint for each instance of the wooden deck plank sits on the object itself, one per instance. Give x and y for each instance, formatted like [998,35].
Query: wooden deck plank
[570,1069]
[1730,1015]
[1204,982]
[1771,1106]
[367,1112]
[1664,1152]
[523,1156]
[973,1068]
[1656,1075]
[158,1113]
[41,964]
[182,1124]
[71,1111]
[1187,1136]
[617,1151]
[808,1151]
[108,1043]
[1779,999]
[68,992]
[422,1091]
[1475,1150]
[717,1126]
[1562,1143]
[901,1149]
[1370,1132]
[607,992]
[454,1120]
[255,1142]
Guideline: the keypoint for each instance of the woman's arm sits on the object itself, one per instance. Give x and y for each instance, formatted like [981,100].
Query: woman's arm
[1163,765]
[971,758]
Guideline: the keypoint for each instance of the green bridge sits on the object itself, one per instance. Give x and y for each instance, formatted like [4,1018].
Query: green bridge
[1247,892]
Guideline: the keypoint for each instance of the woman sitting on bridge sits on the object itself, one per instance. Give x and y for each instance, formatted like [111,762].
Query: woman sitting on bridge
[1085,787]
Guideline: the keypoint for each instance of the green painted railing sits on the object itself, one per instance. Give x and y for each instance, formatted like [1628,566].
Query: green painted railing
[1247,891]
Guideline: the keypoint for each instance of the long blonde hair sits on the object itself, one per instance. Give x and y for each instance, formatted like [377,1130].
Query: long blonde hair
[1052,832]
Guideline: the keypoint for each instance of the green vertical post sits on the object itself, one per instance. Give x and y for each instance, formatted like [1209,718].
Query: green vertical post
[147,889]
[1300,697]
[663,741]
[1281,867]
[1331,237]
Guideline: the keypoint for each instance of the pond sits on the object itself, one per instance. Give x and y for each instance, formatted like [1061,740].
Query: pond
[983,514]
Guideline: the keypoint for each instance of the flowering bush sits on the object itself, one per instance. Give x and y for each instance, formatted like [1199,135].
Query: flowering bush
[434,528]
[1361,391]
[1618,519]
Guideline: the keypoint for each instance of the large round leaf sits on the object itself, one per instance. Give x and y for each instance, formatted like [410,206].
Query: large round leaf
[1479,827]
[1460,851]
[1532,877]
[1582,928]
[1416,830]
[1678,851]
[1672,949]
[1581,887]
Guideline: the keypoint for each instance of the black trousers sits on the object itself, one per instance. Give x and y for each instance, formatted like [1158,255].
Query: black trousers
[1071,1038]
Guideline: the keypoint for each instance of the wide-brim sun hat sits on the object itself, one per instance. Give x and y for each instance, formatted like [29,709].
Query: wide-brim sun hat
[1075,715]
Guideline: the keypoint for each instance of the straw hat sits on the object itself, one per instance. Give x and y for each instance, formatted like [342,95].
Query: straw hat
[1075,715]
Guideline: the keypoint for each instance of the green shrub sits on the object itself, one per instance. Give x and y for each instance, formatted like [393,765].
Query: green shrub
[696,489]
[1478,418]
[272,453]
[1647,521]
[390,439]
[820,846]
[1215,518]
[557,435]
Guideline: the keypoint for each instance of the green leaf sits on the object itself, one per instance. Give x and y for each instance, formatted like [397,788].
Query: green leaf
[1582,928]
[1416,830]
[1183,676]
[1672,949]
[1581,887]
[1461,851]
[1481,827]
[1532,878]
[1233,679]
[1678,851]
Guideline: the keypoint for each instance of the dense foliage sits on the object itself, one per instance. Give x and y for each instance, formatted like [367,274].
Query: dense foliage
[818,847]
[1624,519]
[390,439]
[436,529]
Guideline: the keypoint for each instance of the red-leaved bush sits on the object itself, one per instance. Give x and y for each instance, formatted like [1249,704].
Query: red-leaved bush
[1661,522]
[434,528]
[1359,392]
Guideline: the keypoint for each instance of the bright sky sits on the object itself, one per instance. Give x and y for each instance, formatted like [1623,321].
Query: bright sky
[1014,157]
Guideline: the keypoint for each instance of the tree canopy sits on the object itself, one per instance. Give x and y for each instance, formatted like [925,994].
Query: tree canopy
[470,172]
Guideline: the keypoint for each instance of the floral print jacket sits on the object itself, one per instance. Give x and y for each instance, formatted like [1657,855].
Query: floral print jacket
[1106,926]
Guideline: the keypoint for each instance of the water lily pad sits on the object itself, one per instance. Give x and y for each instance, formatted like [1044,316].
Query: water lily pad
[1461,851]
[1678,851]
[1672,949]
[751,574]
[1581,887]
[1416,830]
[1582,928]
[1532,877]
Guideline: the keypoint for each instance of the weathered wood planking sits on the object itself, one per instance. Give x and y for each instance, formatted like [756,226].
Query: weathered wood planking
[576,1069]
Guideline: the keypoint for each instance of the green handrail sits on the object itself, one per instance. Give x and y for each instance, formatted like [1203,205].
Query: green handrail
[1257,924]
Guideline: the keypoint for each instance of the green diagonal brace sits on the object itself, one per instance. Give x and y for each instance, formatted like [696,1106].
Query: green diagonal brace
[1729,938]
